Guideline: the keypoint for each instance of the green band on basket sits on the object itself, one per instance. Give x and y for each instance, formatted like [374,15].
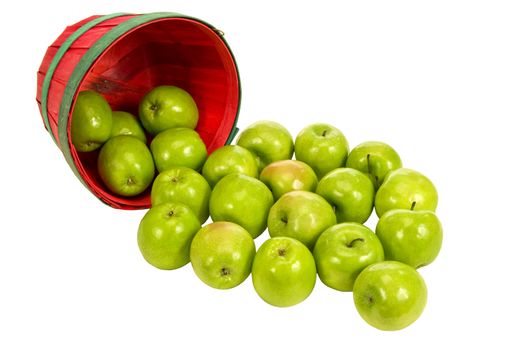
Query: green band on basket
[58,57]
[232,135]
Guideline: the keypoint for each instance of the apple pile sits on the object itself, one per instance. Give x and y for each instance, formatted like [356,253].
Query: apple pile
[126,163]
[313,206]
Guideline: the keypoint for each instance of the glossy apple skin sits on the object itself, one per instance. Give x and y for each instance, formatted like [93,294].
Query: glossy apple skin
[412,237]
[288,175]
[165,234]
[243,200]
[301,215]
[283,272]
[222,254]
[227,160]
[126,165]
[323,147]
[375,159]
[178,147]
[185,185]
[91,121]
[343,251]
[390,295]
[127,124]
[405,189]
[166,107]
[350,192]
[268,141]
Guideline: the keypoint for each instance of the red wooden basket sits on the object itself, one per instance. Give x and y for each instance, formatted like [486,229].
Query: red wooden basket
[123,56]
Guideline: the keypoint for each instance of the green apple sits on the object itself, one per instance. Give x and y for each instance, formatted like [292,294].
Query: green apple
[127,124]
[166,107]
[405,189]
[178,147]
[301,215]
[243,200]
[375,159]
[183,185]
[412,237]
[350,192]
[227,160]
[283,272]
[343,251]
[268,141]
[222,254]
[390,295]
[126,165]
[91,121]
[165,234]
[288,175]
[323,147]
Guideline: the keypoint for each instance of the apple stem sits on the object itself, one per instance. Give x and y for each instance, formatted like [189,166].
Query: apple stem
[352,243]
[281,252]
[413,205]
[324,133]
[369,170]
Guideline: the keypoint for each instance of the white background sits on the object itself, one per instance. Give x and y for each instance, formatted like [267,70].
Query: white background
[441,81]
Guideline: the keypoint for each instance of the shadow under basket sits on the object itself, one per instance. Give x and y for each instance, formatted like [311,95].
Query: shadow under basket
[123,56]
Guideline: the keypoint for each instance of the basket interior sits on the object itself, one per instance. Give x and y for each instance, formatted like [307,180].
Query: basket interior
[172,51]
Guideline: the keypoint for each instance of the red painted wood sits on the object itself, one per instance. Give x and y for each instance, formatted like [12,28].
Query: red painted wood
[172,51]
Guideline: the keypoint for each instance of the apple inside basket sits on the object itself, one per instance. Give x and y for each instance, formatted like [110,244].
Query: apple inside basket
[170,51]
